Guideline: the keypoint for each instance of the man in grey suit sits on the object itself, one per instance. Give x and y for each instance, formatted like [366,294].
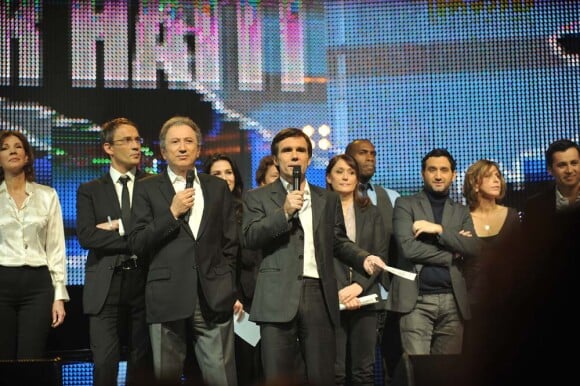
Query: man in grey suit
[186,223]
[434,234]
[114,288]
[299,231]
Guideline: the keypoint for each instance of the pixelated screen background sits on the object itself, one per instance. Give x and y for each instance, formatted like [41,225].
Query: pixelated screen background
[484,79]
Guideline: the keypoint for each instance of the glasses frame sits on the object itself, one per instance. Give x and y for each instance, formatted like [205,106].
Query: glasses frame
[127,141]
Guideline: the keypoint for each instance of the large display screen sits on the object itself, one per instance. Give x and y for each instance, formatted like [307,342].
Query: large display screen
[484,79]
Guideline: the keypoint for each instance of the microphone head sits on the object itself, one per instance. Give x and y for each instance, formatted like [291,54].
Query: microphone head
[296,172]
[189,179]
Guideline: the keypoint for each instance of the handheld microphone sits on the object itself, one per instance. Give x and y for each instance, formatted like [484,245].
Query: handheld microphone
[296,177]
[188,184]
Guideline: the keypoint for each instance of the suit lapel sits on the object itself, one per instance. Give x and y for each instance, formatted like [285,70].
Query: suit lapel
[204,217]
[447,212]
[278,193]
[426,207]
[166,188]
[109,188]
[358,214]
[317,204]
[167,191]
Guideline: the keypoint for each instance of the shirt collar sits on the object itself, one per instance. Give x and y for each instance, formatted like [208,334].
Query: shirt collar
[369,185]
[115,174]
[562,201]
[28,188]
[288,186]
[175,178]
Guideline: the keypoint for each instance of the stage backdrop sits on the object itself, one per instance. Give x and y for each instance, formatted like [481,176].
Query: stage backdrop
[484,79]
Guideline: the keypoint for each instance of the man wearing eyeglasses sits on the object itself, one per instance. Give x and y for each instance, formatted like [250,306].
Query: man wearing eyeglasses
[114,289]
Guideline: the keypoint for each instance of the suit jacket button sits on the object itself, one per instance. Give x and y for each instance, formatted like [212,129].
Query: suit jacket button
[301,257]
[301,237]
[299,277]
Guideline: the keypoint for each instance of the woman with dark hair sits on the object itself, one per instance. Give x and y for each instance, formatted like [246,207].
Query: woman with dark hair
[32,254]
[356,337]
[247,357]
[267,171]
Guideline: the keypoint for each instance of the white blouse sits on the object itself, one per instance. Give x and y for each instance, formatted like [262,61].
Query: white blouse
[34,234]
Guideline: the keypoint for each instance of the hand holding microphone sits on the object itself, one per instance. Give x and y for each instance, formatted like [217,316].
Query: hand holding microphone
[296,177]
[184,200]
[295,198]
[188,185]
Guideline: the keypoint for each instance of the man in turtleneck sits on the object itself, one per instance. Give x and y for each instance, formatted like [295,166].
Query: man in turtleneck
[434,234]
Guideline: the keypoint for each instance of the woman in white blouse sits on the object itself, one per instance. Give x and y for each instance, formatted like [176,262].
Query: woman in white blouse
[32,254]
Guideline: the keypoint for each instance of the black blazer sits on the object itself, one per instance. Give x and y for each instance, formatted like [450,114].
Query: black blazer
[370,235]
[386,208]
[540,207]
[279,283]
[247,265]
[96,200]
[180,264]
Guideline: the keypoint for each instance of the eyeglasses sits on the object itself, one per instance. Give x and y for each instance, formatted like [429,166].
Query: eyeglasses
[127,141]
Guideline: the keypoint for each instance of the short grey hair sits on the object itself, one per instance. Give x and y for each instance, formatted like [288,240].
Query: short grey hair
[178,120]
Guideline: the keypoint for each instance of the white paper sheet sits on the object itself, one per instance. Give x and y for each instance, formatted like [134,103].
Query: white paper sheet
[364,301]
[246,329]
[401,273]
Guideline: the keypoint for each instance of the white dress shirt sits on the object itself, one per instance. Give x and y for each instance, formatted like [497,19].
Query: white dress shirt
[305,214]
[178,183]
[115,175]
[34,234]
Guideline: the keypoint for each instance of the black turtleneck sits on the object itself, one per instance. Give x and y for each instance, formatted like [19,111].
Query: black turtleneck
[435,279]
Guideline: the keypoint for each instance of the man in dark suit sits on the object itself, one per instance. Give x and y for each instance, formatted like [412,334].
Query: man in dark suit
[433,234]
[299,231]
[188,227]
[114,278]
[563,163]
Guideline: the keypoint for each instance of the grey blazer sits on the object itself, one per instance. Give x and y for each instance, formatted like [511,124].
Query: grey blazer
[414,253]
[279,282]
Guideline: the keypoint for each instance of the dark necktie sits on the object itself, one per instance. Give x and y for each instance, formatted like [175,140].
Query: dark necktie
[364,187]
[125,202]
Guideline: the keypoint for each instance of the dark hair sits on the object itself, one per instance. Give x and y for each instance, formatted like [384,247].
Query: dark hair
[288,133]
[559,145]
[350,147]
[29,167]
[178,121]
[109,128]
[238,184]
[263,167]
[474,176]
[359,200]
[438,153]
